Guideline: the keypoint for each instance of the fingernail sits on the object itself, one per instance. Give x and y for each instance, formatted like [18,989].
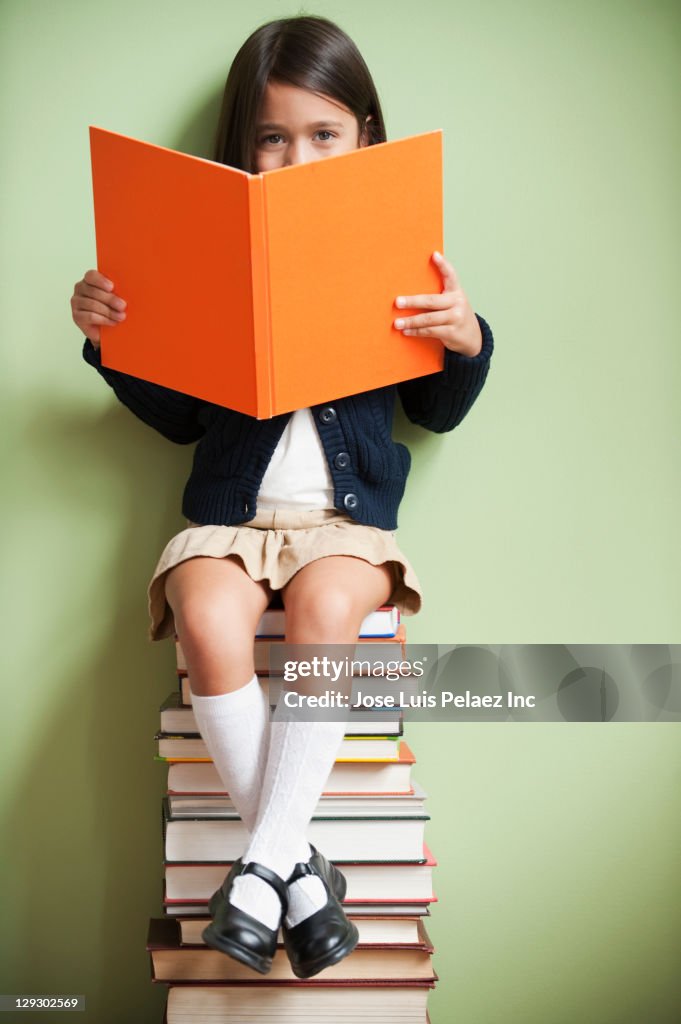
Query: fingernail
[400,301]
[399,323]
[437,255]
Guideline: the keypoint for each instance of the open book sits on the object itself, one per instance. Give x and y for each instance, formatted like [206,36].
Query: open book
[270,292]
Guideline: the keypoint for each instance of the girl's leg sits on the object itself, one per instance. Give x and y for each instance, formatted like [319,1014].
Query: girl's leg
[325,602]
[217,607]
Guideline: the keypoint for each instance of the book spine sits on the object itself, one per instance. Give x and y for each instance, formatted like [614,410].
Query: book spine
[260,290]
[97,139]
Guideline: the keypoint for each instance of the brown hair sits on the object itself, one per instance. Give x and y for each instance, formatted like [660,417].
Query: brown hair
[307,51]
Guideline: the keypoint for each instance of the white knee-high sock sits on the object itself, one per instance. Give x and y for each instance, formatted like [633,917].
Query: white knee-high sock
[236,729]
[300,758]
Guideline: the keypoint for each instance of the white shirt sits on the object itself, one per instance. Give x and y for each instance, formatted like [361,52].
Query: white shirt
[298,475]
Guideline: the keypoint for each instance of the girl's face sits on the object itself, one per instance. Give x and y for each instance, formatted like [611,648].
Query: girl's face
[295,126]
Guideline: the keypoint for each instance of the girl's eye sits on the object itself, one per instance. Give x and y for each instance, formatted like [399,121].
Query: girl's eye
[272,140]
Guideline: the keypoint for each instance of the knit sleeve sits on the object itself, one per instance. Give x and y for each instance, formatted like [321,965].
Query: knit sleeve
[440,401]
[173,414]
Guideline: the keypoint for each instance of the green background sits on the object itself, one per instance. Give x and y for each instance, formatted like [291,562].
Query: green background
[549,516]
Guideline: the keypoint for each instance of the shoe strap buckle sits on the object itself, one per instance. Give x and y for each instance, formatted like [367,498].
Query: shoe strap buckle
[299,871]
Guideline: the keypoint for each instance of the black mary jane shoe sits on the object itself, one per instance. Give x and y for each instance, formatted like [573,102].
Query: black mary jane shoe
[326,936]
[236,933]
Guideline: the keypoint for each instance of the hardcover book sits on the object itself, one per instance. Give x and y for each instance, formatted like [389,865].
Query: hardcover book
[191,883]
[328,1003]
[270,292]
[386,776]
[378,958]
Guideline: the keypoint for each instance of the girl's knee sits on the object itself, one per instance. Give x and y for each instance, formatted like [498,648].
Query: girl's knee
[212,642]
[197,616]
[206,616]
[324,616]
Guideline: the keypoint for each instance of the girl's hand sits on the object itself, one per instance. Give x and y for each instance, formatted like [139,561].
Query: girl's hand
[93,303]
[452,320]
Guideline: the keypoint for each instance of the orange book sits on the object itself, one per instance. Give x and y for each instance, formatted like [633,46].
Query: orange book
[270,292]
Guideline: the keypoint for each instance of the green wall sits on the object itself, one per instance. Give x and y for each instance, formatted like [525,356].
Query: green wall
[549,516]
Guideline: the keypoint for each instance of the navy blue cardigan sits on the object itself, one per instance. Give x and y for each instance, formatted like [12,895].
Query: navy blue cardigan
[369,469]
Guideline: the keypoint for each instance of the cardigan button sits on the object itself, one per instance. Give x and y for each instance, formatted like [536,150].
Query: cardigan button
[342,460]
[328,414]
[351,501]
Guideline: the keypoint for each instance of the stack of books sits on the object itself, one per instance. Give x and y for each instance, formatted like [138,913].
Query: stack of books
[370,821]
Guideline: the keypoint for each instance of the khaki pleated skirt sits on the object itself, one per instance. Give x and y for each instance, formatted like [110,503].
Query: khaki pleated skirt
[274,546]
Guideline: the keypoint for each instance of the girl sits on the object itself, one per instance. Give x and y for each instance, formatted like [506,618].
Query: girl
[303,505]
